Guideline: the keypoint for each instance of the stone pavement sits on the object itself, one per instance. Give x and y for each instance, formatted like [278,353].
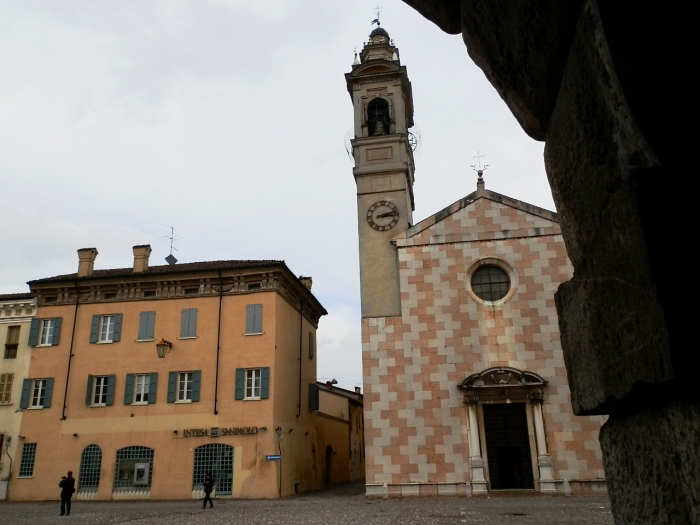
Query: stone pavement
[340,505]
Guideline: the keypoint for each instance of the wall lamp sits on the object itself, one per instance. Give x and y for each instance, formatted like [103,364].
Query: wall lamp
[163,348]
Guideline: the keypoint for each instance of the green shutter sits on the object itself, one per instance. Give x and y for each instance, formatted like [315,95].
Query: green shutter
[172,386]
[88,391]
[146,325]
[26,387]
[153,384]
[258,318]
[129,389]
[240,383]
[265,383]
[94,329]
[49,392]
[111,381]
[117,328]
[196,382]
[249,318]
[56,330]
[313,396]
[192,328]
[34,332]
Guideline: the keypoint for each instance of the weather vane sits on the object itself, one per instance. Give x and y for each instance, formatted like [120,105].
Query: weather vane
[170,259]
[479,170]
[376,20]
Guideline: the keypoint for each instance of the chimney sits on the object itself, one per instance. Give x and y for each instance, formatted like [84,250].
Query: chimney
[306,281]
[358,390]
[86,261]
[141,254]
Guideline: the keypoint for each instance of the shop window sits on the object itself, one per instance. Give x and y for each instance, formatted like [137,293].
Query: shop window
[90,465]
[216,459]
[134,469]
[26,464]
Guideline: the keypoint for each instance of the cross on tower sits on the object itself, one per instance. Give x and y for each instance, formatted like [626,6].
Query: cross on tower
[479,170]
[377,10]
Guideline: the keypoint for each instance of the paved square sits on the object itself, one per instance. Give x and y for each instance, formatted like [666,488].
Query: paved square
[342,505]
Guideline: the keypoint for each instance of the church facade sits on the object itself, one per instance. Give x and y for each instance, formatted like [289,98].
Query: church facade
[465,387]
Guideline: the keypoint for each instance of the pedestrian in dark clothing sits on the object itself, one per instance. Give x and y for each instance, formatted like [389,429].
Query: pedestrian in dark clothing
[67,485]
[208,487]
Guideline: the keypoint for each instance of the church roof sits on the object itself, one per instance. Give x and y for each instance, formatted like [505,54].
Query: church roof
[379,31]
[413,235]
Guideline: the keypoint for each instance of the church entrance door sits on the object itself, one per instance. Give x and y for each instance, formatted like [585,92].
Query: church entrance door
[508,446]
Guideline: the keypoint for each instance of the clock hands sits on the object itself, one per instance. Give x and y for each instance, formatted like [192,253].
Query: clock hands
[387,214]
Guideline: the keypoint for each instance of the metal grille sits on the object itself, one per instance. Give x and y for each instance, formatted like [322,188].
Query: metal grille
[90,465]
[490,283]
[127,458]
[26,465]
[216,459]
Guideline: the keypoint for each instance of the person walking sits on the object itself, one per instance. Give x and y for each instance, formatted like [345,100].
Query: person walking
[67,485]
[208,487]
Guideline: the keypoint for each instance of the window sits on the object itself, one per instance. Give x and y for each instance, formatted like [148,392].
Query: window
[106,328]
[149,293]
[188,324]
[100,391]
[147,324]
[191,291]
[6,390]
[252,383]
[216,459]
[253,319]
[183,387]
[90,465]
[26,464]
[378,117]
[44,332]
[254,286]
[12,342]
[36,393]
[140,389]
[312,345]
[133,469]
[490,283]
[109,296]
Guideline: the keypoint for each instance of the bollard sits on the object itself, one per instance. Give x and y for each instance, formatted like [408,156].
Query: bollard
[386,491]
[567,488]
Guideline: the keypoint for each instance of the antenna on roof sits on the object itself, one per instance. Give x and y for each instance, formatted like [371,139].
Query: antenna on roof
[170,259]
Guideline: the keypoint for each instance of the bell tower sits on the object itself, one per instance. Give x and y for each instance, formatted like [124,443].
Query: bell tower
[383,111]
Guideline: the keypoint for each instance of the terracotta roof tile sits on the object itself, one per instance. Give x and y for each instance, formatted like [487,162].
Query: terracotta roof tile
[163,270]
[15,296]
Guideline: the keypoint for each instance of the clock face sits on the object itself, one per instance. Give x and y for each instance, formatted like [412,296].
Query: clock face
[383,215]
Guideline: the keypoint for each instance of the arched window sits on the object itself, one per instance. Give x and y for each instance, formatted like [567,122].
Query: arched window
[90,465]
[216,459]
[134,469]
[378,121]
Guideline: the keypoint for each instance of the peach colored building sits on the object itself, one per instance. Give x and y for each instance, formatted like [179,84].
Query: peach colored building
[465,387]
[144,379]
[341,433]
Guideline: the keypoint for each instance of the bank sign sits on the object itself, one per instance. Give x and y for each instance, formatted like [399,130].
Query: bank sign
[216,431]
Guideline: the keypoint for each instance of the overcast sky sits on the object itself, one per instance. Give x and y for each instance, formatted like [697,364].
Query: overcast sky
[226,119]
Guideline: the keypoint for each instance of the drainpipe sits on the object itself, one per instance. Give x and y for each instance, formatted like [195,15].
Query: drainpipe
[301,348]
[70,355]
[218,347]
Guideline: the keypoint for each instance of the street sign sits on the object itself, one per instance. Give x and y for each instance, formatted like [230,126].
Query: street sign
[273,457]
